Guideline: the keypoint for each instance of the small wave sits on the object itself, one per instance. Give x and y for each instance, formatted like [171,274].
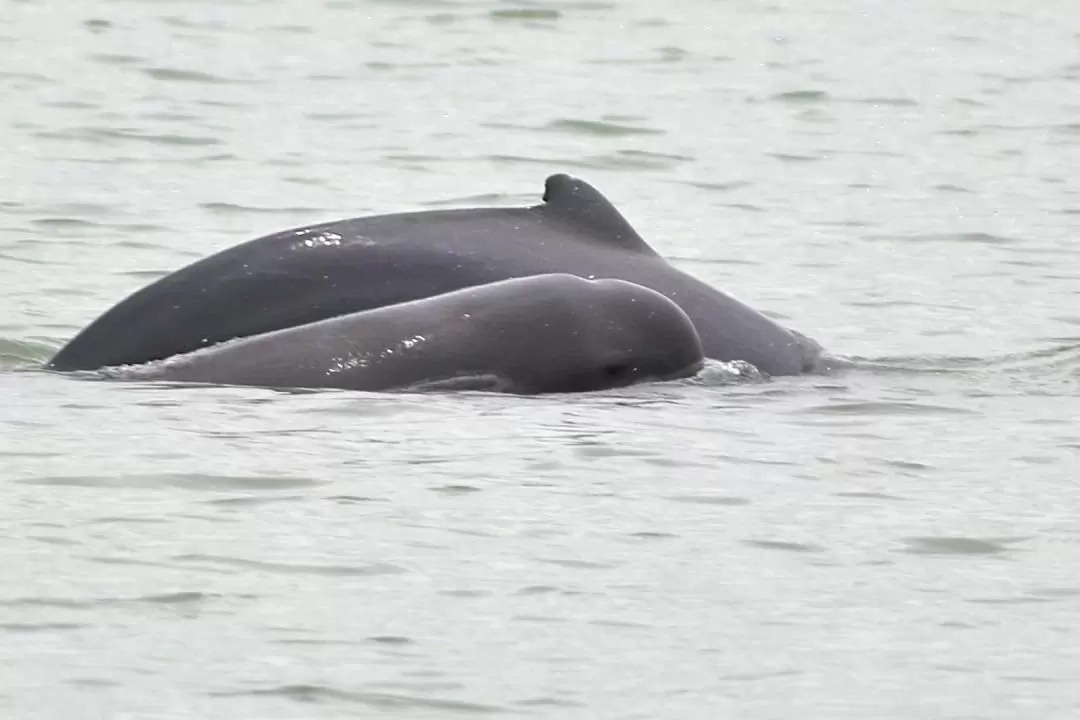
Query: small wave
[908,364]
[117,59]
[784,546]
[179,75]
[619,160]
[1051,371]
[526,14]
[703,499]
[104,134]
[26,261]
[39,627]
[292,568]
[171,598]
[954,545]
[599,128]
[802,96]
[720,186]
[23,354]
[862,408]
[225,208]
[716,372]
[381,701]
[186,481]
[1063,355]
[794,158]
[980,238]
[486,199]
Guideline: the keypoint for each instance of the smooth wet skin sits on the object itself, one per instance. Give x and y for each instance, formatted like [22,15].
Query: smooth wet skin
[540,334]
[308,274]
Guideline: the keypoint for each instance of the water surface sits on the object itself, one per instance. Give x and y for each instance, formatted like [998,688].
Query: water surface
[896,540]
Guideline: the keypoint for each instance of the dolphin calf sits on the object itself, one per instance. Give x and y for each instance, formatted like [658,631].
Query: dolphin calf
[538,334]
[303,275]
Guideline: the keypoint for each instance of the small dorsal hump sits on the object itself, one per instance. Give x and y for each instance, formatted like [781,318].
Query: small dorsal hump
[579,203]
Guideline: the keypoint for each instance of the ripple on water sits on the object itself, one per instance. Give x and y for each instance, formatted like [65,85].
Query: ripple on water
[589,448]
[620,624]
[22,354]
[119,520]
[1007,600]
[652,535]
[29,261]
[542,702]
[951,545]
[190,76]
[883,407]
[225,208]
[353,499]
[716,373]
[1056,593]
[619,160]
[98,135]
[185,481]
[719,186]
[391,640]
[320,694]
[251,501]
[526,14]
[578,564]
[869,495]
[599,128]
[978,238]
[784,546]
[888,101]
[455,489]
[704,499]
[184,598]
[466,593]
[802,96]
[483,199]
[39,627]
[796,157]
[294,568]
[117,59]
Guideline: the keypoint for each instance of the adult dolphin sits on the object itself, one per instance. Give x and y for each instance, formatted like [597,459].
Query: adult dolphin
[538,334]
[307,274]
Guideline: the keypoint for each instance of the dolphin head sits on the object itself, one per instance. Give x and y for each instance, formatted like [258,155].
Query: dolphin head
[583,335]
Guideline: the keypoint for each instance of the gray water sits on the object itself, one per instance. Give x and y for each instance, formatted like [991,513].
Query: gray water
[898,539]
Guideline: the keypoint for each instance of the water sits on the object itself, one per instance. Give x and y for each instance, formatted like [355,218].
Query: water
[894,540]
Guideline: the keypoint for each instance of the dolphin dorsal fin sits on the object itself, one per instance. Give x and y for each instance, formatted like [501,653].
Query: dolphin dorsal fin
[579,203]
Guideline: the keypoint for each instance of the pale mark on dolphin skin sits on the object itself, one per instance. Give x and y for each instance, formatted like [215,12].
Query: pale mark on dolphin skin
[329,239]
[347,363]
[352,362]
[326,239]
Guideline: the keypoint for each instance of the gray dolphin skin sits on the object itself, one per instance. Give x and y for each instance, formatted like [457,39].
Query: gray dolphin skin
[309,274]
[539,334]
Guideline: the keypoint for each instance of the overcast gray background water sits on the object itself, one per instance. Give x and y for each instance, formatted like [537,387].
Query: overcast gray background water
[899,540]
